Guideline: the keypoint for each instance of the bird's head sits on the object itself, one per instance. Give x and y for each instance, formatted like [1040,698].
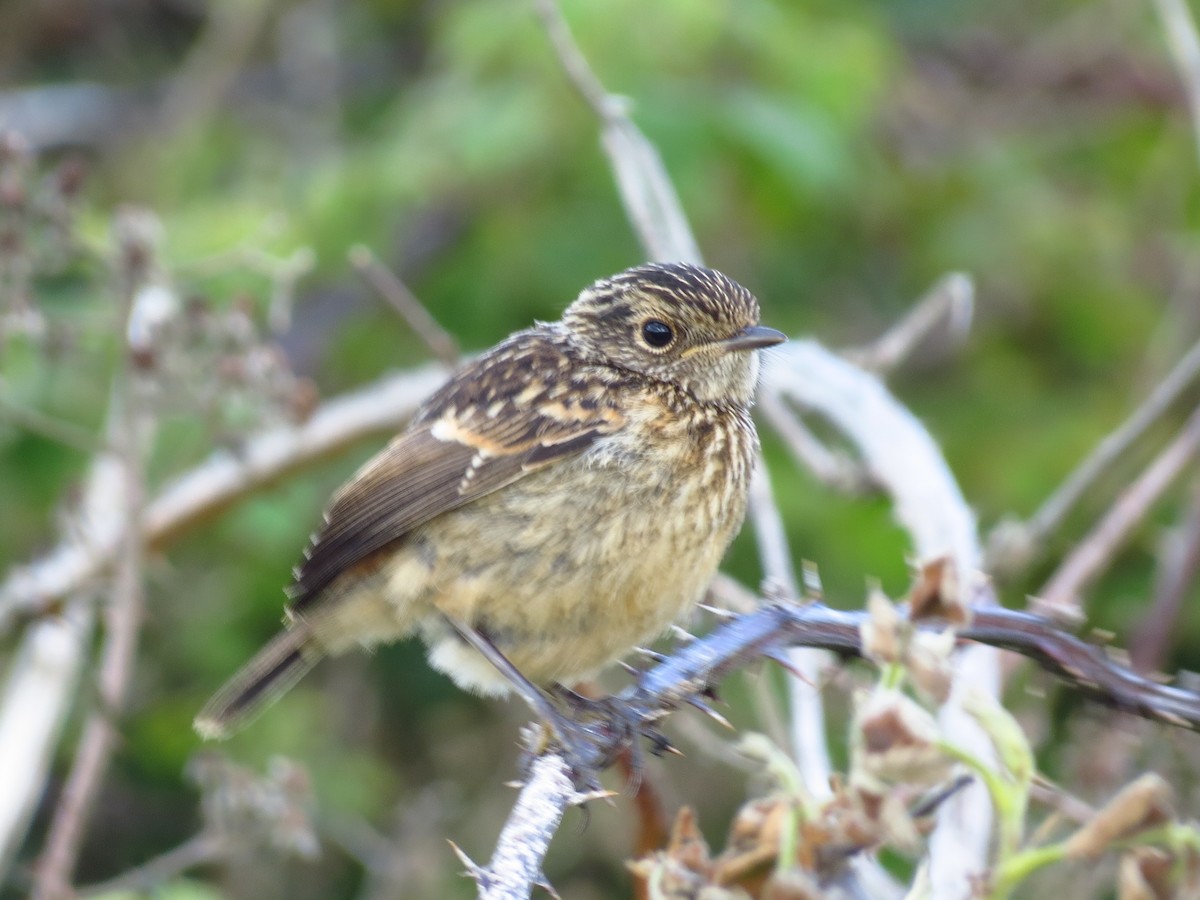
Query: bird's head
[686,325]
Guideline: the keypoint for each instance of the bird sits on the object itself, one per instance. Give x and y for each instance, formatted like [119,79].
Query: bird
[565,497]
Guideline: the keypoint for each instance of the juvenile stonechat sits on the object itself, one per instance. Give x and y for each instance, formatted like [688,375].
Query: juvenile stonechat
[565,497]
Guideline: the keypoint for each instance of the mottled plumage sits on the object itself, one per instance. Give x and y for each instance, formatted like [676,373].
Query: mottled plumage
[567,495]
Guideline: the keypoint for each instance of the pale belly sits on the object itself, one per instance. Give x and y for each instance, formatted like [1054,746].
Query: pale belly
[569,573]
[565,571]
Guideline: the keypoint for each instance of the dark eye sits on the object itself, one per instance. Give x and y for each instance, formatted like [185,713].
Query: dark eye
[657,333]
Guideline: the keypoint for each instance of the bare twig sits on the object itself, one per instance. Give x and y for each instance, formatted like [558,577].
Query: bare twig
[1012,546]
[808,715]
[516,863]
[650,200]
[951,300]
[1184,42]
[1062,594]
[1066,805]
[1082,666]
[66,433]
[212,63]
[129,431]
[1179,565]
[396,292]
[38,694]
[123,616]
[835,469]
[197,850]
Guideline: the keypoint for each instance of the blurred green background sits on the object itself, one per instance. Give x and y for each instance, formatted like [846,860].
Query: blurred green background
[835,157]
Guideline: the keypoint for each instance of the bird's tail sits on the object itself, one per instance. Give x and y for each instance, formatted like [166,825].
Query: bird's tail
[259,683]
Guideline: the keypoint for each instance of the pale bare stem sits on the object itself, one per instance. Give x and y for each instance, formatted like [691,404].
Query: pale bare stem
[576,67]
[949,304]
[1068,806]
[516,863]
[1184,42]
[130,431]
[649,197]
[123,616]
[1062,596]
[807,739]
[439,341]
[38,693]
[1012,546]
[1178,568]
[45,668]
[837,470]
[197,850]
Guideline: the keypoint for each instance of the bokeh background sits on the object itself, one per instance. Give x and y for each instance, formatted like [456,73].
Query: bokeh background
[835,157]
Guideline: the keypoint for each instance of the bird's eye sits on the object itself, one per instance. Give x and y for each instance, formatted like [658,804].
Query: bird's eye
[657,333]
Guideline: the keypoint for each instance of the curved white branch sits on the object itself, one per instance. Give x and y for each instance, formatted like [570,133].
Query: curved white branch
[903,457]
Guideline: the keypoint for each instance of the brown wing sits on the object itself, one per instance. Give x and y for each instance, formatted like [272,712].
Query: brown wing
[522,406]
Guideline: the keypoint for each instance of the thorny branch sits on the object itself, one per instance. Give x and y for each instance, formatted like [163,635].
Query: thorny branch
[693,669]
[1083,666]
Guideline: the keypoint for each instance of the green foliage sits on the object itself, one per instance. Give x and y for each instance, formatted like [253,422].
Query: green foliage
[835,157]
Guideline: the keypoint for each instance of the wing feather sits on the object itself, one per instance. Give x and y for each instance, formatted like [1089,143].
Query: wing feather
[515,410]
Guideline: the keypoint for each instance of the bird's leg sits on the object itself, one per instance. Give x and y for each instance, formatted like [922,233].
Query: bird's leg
[623,720]
[588,749]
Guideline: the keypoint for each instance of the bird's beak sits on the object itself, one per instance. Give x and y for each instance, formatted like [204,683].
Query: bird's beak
[753,338]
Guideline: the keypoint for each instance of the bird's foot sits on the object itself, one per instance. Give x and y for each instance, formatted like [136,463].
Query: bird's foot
[595,732]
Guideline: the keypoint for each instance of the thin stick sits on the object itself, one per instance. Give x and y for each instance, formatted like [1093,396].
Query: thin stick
[1184,43]
[516,863]
[66,433]
[649,197]
[807,738]
[1050,516]
[443,346]
[950,300]
[1063,592]
[1178,567]
[576,67]
[831,468]
[197,850]
[130,432]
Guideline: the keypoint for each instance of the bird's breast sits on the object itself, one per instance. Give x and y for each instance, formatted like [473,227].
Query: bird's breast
[574,564]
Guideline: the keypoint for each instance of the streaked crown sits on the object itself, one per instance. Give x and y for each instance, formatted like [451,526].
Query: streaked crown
[673,322]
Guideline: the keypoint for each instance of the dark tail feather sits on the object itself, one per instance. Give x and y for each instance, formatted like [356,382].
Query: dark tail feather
[262,681]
